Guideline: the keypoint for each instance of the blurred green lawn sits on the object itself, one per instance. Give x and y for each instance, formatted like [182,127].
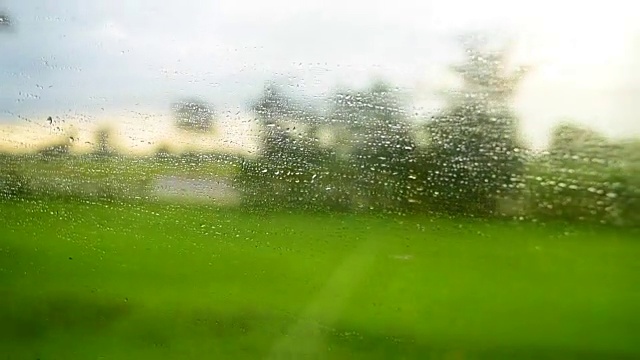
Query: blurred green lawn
[151,281]
[125,170]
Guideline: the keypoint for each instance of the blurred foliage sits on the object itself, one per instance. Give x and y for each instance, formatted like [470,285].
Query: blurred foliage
[193,115]
[586,177]
[373,161]
[103,143]
[361,153]
[473,157]
[473,162]
[381,150]
[290,157]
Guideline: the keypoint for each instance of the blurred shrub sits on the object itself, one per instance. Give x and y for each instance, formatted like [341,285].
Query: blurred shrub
[193,115]
[585,177]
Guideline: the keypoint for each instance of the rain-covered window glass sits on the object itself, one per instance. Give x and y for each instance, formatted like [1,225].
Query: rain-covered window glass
[322,179]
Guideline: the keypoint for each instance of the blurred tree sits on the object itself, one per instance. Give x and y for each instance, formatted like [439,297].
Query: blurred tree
[103,143]
[291,167]
[164,151]
[274,105]
[266,181]
[273,109]
[372,127]
[369,166]
[473,158]
[568,138]
[586,177]
[193,115]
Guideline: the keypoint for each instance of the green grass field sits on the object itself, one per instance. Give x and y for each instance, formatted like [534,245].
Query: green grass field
[127,281]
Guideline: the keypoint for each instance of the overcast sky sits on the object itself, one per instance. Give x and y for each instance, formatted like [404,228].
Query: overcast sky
[102,59]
